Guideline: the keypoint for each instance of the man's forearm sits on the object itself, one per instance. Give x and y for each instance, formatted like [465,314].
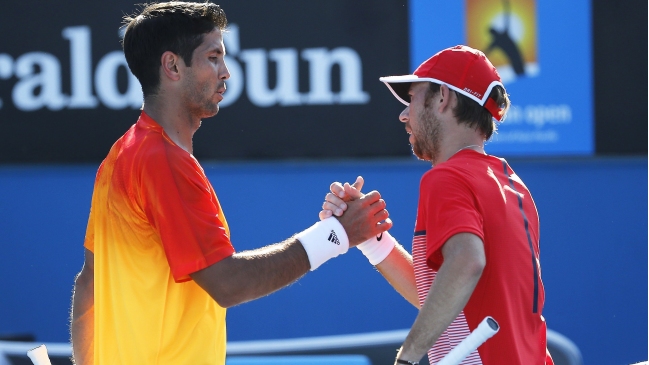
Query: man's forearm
[397,269]
[274,266]
[437,313]
[253,274]
[451,290]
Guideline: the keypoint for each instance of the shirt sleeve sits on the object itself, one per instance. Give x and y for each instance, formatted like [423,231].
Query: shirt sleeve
[179,202]
[451,208]
[89,240]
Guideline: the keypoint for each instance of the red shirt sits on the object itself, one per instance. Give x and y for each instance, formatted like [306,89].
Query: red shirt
[481,194]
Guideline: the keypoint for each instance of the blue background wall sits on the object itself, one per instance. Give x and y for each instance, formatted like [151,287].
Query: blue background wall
[593,248]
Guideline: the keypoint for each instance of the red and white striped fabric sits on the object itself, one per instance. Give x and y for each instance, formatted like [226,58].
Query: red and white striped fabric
[459,329]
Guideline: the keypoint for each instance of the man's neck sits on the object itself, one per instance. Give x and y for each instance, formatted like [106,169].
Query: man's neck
[460,138]
[177,122]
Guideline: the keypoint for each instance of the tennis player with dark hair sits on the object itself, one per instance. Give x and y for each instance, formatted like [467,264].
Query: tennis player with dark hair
[159,266]
[476,240]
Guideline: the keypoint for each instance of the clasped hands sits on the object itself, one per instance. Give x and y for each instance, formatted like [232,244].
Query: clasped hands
[363,215]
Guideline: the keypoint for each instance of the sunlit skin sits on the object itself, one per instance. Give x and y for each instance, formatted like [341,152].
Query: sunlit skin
[435,134]
[204,84]
[422,124]
[188,94]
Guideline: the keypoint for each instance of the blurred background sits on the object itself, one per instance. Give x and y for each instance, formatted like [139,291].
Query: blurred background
[304,107]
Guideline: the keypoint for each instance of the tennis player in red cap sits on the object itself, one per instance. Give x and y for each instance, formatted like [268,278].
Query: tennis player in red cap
[476,240]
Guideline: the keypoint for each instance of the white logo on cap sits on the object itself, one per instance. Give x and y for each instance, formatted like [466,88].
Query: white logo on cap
[474,93]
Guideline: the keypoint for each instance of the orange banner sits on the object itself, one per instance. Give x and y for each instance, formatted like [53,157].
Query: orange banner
[505,30]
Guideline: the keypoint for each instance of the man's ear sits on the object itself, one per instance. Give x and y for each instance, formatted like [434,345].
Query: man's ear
[170,62]
[444,96]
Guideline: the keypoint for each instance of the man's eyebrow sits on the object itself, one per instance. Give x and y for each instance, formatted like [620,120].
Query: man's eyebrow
[218,50]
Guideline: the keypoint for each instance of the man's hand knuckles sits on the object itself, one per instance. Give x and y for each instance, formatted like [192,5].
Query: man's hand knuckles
[372,196]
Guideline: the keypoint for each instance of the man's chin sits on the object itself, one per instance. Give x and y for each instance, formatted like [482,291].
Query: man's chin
[419,154]
[212,111]
[421,158]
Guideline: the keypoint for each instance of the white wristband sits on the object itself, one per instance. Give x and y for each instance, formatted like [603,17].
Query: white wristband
[323,241]
[376,249]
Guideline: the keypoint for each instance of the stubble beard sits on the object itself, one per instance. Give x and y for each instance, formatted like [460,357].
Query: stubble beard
[427,136]
[205,102]
[200,99]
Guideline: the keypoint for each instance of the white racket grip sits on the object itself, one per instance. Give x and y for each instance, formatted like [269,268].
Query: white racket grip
[39,356]
[487,328]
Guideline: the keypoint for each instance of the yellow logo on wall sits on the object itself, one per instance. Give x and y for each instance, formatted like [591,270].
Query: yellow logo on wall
[505,30]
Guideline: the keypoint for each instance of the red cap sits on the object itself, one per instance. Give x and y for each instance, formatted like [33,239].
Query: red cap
[461,68]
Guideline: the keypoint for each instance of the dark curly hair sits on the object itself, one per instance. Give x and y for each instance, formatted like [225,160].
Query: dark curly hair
[173,26]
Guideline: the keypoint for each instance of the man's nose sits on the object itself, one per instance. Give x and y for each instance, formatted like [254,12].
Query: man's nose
[405,115]
[225,72]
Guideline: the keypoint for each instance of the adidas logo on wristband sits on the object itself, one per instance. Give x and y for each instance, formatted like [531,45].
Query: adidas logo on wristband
[333,238]
[317,249]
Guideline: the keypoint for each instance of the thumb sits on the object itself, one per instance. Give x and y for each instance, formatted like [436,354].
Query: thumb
[353,191]
[358,184]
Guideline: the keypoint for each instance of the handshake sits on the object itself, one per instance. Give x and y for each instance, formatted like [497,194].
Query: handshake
[349,218]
